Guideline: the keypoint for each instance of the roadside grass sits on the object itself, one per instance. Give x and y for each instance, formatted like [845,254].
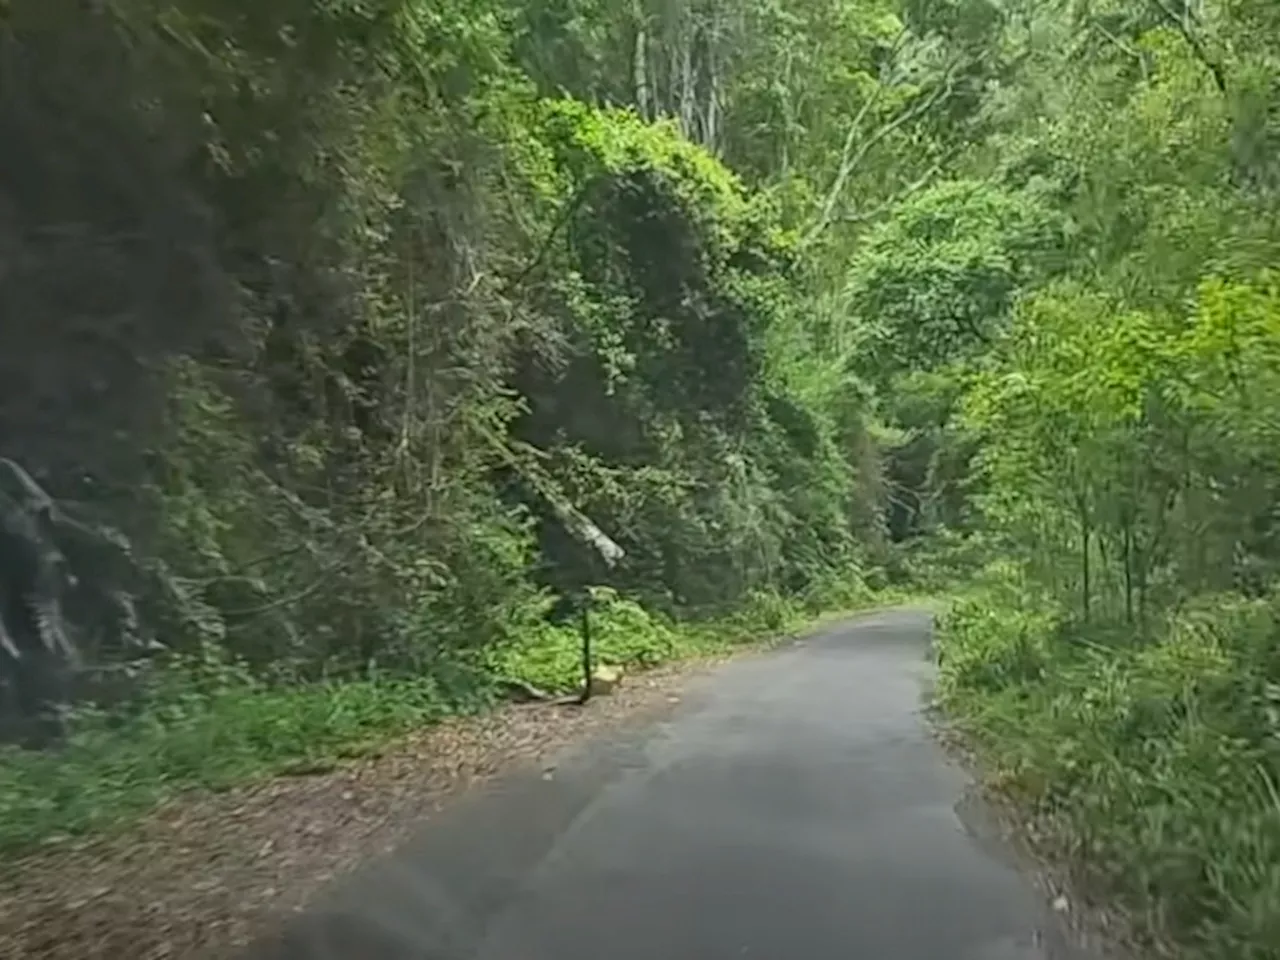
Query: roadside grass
[208,725]
[113,769]
[1156,761]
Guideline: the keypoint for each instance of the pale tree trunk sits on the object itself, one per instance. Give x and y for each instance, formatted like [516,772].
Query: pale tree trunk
[713,43]
[686,45]
[644,94]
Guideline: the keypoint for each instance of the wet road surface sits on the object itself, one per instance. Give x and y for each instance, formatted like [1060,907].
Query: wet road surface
[793,807]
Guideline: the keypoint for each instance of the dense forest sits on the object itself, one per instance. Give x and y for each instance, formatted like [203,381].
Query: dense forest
[338,335]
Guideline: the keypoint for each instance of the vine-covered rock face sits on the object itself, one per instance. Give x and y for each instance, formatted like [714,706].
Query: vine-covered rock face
[60,592]
[666,283]
[310,293]
[36,654]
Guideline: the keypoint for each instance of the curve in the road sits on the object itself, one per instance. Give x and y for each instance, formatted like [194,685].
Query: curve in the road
[794,808]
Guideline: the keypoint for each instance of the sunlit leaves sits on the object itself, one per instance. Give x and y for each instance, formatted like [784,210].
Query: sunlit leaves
[936,281]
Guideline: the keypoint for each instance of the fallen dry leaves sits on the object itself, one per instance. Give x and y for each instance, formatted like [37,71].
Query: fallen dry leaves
[201,877]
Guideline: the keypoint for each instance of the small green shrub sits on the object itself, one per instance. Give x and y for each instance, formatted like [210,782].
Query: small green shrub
[767,611]
[990,648]
[1160,759]
[837,590]
[623,634]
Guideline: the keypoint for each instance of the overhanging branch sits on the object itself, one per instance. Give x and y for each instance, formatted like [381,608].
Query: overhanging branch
[1194,40]
[852,158]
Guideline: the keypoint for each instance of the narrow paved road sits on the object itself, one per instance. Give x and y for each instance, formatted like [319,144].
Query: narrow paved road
[794,807]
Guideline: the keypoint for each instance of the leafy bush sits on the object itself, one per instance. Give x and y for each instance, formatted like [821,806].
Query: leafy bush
[991,649]
[840,589]
[623,634]
[1158,761]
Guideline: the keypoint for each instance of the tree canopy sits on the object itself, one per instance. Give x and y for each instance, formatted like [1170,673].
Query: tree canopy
[332,326]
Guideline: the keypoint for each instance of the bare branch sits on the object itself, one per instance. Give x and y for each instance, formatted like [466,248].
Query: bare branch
[1186,27]
[914,187]
[567,213]
[851,159]
[1124,47]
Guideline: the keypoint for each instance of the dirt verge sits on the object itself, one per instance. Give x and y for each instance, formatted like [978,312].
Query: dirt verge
[205,875]
[1094,926]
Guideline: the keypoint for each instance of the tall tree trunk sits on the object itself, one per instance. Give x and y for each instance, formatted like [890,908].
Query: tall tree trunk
[640,67]
[712,43]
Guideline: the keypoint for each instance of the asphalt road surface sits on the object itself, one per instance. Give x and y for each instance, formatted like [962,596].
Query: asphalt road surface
[793,807]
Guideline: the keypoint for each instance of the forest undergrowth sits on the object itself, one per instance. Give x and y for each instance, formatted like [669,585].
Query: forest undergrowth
[347,346]
[210,725]
[1145,769]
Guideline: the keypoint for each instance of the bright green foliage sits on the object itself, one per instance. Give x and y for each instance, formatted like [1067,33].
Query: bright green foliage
[935,283]
[623,634]
[1117,662]
[350,304]
[1137,442]
[1155,765]
[931,291]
